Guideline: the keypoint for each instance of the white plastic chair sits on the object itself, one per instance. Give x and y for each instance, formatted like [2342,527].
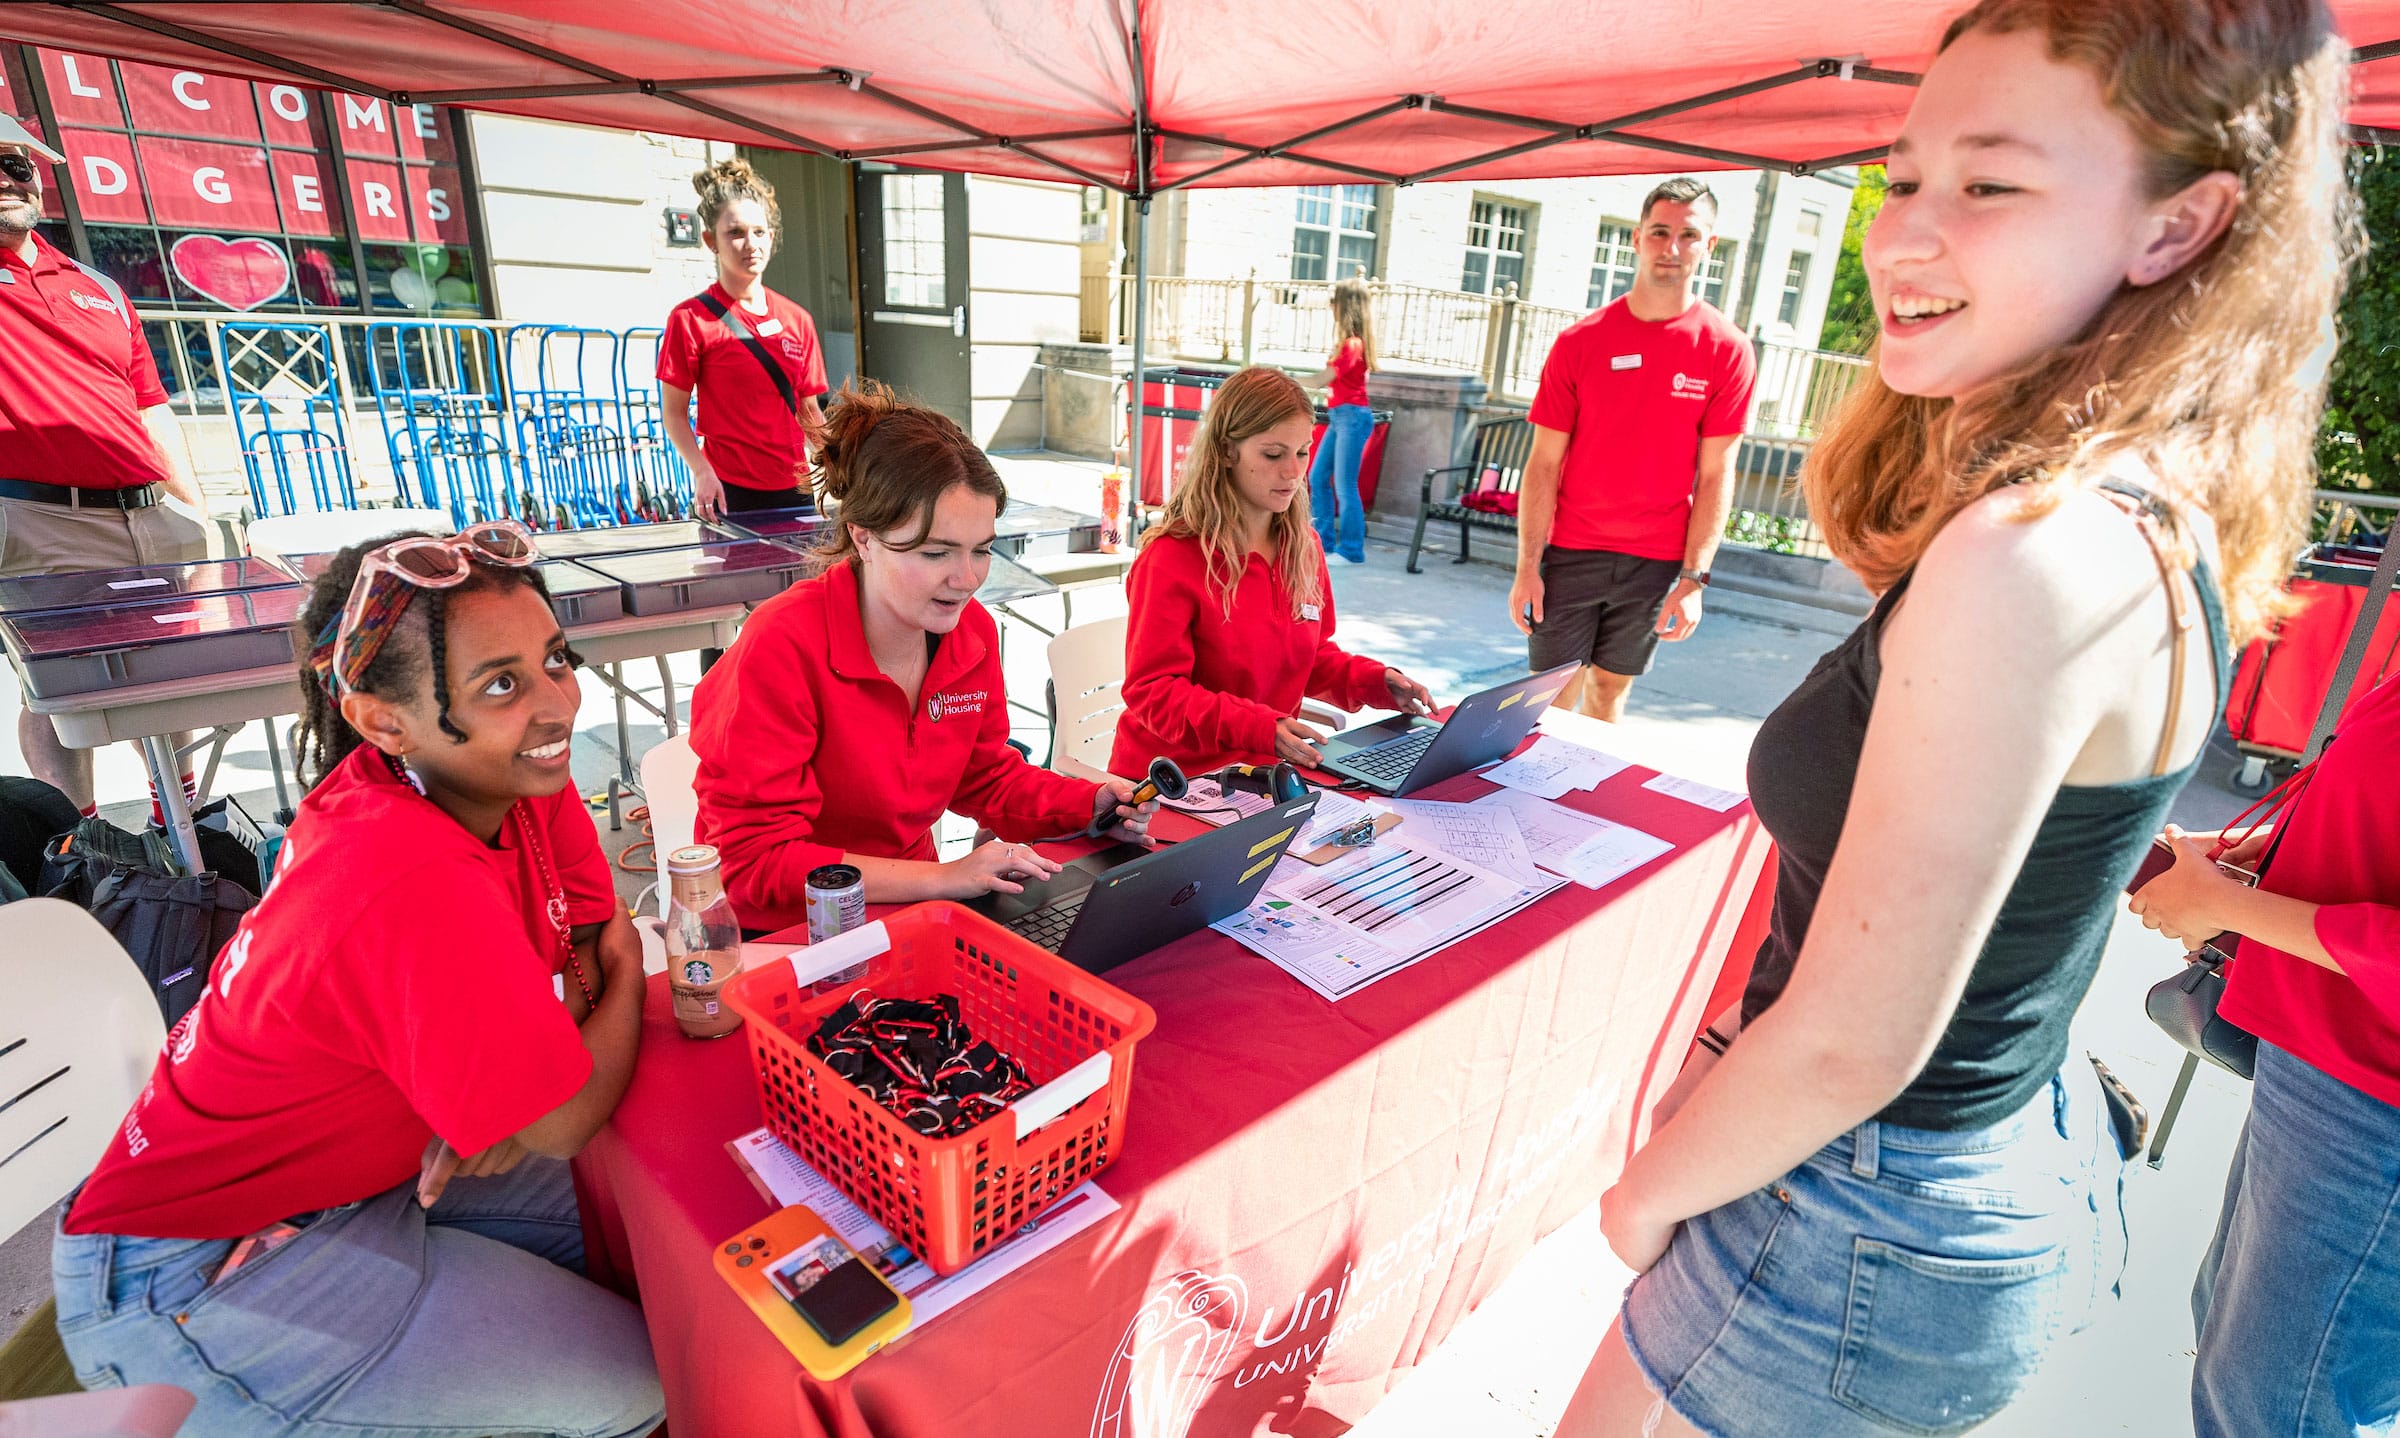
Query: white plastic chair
[1087,681]
[1087,675]
[669,772]
[79,1036]
[324,531]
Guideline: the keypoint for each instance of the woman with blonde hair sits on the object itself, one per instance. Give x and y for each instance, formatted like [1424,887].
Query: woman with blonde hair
[750,354]
[1333,474]
[1231,621]
[2113,240]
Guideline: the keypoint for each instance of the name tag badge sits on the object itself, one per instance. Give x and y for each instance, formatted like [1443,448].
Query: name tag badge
[770,327]
[8,277]
[1626,362]
[1311,613]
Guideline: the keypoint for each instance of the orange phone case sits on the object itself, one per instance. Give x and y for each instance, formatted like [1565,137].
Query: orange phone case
[744,1260]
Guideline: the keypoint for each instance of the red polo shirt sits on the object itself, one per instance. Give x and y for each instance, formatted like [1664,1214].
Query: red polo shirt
[1205,689]
[808,751]
[745,429]
[75,376]
[365,1005]
[2340,849]
[1635,397]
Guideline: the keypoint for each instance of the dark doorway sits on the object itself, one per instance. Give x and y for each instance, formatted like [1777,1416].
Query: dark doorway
[912,271]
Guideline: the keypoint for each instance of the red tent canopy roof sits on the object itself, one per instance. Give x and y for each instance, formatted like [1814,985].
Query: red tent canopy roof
[1232,92]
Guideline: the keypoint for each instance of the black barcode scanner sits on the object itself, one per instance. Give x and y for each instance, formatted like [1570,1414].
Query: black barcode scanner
[1166,781]
[1280,782]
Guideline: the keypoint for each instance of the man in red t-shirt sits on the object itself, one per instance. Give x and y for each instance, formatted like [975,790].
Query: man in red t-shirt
[92,474]
[1631,477]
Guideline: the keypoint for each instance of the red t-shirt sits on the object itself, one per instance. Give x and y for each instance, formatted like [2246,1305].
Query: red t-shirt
[2340,849]
[1205,690]
[1635,398]
[75,376]
[745,429]
[808,750]
[1349,364]
[395,983]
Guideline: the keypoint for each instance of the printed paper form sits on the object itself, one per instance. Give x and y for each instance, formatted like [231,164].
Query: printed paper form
[1692,791]
[1481,835]
[1554,768]
[1592,851]
[929,1294]
[1372,912]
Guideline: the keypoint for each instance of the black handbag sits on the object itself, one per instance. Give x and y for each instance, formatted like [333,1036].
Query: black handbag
[2185,1005]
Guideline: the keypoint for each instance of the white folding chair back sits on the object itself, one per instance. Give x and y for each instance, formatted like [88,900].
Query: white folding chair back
[324,531]
[78,1037]
[1087,677]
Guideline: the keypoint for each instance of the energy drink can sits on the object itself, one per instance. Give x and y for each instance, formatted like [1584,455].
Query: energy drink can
[837,903]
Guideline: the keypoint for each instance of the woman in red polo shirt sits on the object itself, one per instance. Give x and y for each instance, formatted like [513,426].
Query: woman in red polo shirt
[1231,621]
[2296,1299]
[284,1227]
[859,705]
[750,354]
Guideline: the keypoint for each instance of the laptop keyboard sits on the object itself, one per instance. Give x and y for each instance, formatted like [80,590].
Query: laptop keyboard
[1048,926]
[1392,759]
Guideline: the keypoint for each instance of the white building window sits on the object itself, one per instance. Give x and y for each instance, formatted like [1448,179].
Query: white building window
[914,221]
[1614,264]
[1333,232]
[1715,274]
[1499,235]
[1795,270]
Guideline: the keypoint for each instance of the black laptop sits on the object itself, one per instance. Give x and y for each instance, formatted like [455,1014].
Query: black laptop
[1403,754]
[1111,907]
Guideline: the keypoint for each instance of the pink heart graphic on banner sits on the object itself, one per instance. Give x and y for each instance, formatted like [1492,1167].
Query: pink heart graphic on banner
[238,274]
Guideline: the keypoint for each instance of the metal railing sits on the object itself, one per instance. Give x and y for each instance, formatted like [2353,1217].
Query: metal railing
[558,425]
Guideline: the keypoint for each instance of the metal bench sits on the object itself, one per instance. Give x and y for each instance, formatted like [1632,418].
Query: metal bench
[1500,448]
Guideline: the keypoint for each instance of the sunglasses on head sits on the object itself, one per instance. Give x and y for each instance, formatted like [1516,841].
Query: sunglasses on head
[17,167]
[418,562]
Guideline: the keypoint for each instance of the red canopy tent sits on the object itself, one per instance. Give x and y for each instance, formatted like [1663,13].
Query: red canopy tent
[1139,96]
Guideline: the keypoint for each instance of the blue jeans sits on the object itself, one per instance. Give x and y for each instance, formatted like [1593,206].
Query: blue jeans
[1333,481]
[2298,1300]
[1901,1281]
[381,1320]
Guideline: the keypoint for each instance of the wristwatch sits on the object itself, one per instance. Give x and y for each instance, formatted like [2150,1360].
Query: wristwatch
[1696,576]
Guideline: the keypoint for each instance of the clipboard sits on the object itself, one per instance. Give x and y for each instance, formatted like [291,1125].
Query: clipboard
[1327,852]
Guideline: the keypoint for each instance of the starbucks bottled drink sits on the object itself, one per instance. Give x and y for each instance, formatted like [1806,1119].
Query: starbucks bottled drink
[704,942]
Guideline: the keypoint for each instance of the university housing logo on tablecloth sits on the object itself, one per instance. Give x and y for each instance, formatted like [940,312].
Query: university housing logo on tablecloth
[1170,1356]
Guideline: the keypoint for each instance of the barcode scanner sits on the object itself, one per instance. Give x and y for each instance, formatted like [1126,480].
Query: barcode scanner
[1280,782]
[1165,781]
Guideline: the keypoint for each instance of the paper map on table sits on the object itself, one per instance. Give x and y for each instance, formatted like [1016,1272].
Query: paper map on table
[1374,911]
[1592,851]
[1554,768]
[929,1294]
[1477,834]
[1692,791]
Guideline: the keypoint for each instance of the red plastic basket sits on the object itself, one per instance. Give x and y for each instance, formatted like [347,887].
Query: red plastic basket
[950,1199]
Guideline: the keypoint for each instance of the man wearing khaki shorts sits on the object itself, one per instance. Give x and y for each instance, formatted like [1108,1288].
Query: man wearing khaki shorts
[91,464]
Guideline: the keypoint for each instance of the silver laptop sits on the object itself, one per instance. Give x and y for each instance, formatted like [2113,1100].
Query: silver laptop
[1404,753]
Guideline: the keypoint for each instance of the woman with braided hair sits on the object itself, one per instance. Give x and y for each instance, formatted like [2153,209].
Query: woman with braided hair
[345,1179]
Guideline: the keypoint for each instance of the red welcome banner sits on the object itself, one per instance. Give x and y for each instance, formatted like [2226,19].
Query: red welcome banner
[186,102]
[100,165]
[197,185]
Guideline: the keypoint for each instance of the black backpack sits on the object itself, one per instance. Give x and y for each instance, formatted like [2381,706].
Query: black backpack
[174,925]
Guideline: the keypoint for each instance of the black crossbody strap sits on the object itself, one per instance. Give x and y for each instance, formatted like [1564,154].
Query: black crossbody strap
[2354,653]
[740,329]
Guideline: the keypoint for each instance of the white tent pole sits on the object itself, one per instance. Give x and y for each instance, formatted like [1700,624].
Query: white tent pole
[1141,348]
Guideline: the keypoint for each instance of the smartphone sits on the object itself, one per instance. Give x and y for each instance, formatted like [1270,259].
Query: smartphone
[2162,858]
[832,1289]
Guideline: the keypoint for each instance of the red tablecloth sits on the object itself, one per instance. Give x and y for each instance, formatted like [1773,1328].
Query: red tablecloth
[1313,1194]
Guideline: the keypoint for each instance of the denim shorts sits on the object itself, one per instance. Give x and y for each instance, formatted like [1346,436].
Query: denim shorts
[1900,1281]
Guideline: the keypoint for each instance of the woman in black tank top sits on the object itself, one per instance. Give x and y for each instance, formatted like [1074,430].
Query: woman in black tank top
[2079,468]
